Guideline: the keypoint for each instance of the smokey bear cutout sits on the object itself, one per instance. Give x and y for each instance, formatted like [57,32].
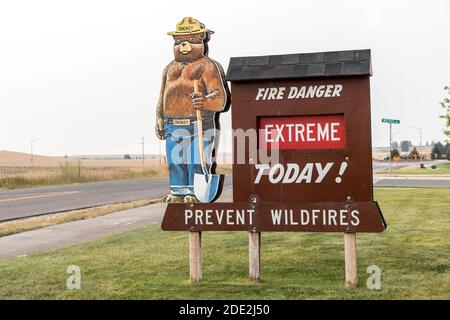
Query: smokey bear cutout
[191,82]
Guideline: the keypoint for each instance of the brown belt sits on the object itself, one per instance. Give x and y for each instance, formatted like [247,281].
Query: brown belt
[181,122]
[186,121]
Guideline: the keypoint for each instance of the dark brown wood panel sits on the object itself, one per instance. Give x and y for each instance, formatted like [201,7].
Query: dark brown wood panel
[353,102]
[275,216]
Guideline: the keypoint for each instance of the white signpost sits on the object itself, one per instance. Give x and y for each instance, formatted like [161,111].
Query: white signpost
[390,121]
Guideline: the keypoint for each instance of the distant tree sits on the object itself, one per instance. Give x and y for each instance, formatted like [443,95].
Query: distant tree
[394,153]
[445,104]
[438,150]
[447,147]
[414,154]
[394,144]
[127,157]
[404,145]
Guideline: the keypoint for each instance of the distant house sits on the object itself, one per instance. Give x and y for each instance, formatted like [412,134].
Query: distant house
[424,150]
[381,153]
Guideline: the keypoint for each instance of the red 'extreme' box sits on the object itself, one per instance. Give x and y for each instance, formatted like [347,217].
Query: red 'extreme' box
[302,132]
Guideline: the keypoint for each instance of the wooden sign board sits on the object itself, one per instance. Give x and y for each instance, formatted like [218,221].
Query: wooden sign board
[314,111]
[302,158]
[275,216]
[325,135]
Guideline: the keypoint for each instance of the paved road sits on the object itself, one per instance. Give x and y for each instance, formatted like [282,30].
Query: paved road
[382,166]
[76,232]
[22,203]
[67,234]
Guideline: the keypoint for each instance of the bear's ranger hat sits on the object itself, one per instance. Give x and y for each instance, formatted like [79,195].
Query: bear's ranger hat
[188,26]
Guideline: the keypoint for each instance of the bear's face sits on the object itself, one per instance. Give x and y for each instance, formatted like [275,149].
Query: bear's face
[189,47]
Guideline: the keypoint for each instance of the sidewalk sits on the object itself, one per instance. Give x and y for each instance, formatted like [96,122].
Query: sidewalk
[411,176]
[76,232]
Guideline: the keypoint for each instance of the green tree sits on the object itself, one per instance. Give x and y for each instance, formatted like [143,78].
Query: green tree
[437,151]
[404,145]
[445,104]
[447,147]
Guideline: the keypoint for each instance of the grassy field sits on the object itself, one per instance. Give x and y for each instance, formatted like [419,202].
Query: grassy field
[16,172]
[413,254]
[26,177]
[66,173]
[442,169]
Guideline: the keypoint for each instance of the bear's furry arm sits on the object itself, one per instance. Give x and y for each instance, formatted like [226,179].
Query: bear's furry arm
[160,105]
[216,87]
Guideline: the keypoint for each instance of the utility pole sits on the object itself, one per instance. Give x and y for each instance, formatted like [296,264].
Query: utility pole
[420,132]
[31,151]
[143,160]
[390,121]
[390,147]
[31,154]
[420,143]
[79,169]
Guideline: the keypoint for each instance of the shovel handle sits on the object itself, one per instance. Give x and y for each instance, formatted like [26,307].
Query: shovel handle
[201,144]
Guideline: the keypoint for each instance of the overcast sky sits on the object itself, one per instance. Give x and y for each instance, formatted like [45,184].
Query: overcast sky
[83,77]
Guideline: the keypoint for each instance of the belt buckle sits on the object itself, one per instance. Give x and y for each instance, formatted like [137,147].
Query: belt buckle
[181,122]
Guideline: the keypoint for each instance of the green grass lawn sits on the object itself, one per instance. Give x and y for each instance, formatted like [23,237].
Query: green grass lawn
[443,169]
[413,254]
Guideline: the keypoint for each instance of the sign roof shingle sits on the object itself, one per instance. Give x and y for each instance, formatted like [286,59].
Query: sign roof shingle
[302,65]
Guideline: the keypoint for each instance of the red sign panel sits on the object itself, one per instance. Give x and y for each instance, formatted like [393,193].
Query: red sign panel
[302,132]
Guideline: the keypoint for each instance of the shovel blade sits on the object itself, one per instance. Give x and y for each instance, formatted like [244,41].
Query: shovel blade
[207,188]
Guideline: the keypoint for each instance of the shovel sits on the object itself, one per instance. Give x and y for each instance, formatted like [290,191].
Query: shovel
[207,186]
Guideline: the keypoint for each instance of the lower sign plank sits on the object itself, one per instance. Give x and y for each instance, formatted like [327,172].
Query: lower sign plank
[271,216]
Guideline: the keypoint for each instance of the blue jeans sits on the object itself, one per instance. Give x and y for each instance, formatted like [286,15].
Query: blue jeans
[183,156]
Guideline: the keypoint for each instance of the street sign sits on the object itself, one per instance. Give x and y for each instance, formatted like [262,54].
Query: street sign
[390,121]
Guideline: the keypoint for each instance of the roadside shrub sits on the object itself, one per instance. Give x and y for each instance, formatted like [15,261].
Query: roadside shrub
[414,154]
[395,153]
[68,172]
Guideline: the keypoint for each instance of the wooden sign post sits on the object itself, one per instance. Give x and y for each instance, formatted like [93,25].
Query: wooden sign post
[302,158]
[254,255]
[195,256]
[351,278]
